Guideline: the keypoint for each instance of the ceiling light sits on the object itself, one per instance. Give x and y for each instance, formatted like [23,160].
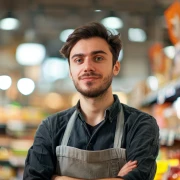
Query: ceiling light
[5,82]
[169,51]
[55,68]
[97,10]
[137,35]
[30,54]
[9,22]
[65,34]
[112,21]
[26,86]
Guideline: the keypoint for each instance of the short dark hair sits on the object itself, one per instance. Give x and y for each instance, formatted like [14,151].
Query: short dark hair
[93,29]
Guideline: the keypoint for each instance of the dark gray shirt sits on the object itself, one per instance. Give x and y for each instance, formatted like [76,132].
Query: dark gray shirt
[140,139]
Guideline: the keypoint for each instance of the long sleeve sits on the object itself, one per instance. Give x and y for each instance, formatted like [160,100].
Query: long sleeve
[40,159]
[142,144]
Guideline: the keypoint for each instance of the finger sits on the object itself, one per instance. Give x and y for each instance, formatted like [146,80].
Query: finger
[129,167]
[131,162]
[125,171]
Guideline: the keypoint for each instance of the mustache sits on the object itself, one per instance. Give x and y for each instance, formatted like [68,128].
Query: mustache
[90,74]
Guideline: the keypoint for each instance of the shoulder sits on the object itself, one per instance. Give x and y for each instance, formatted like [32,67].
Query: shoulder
[61,114]
[130,111]
[136,117]
[58,119]
[139,127]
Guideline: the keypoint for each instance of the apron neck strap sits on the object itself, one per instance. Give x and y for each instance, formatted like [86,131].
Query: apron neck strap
[69,129]
[119,129]
[118,132]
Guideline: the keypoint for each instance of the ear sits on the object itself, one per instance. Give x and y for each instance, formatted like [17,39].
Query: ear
[116,68]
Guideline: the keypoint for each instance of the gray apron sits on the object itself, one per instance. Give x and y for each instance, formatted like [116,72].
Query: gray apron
[84,164]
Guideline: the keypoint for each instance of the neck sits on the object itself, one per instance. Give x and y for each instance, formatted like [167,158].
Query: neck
[93,109]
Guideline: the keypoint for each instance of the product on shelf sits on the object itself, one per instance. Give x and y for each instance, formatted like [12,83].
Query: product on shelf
[176,69]
[173,173]
[172,15]
[6,172]
[164,168]
[4,154]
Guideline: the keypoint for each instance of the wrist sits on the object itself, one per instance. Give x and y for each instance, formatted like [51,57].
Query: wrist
[120,177]
[55,177]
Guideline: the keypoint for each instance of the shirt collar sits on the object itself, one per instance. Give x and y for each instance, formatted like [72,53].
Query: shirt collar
[114,109]
[110,113]
[78,109]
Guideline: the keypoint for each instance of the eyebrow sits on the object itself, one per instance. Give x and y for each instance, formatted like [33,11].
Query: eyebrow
[92,53]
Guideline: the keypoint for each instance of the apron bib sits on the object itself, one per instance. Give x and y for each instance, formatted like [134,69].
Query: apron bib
[84,164]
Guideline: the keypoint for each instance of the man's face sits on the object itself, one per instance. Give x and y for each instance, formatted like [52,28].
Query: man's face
[91,66]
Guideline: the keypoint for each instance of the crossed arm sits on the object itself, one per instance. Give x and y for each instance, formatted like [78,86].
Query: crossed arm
[129,166]
[142,145]
[69,178]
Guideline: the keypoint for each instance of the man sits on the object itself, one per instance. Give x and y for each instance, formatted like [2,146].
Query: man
[99,137]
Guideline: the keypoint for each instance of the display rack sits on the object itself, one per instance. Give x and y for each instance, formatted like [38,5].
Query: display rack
[168,93]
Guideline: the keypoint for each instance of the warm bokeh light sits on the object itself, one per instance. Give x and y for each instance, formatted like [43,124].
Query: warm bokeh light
[122,97]
[54,101]
[74,99]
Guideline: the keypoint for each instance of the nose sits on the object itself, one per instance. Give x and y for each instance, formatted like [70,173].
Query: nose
[88,65]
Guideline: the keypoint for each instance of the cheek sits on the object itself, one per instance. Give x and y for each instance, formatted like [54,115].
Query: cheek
[74,72]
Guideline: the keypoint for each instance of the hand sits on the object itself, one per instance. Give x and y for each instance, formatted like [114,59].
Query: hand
[58,177]
[55,177]
[129,166]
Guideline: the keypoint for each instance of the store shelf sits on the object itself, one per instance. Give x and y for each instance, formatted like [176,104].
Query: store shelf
[26,125]
[17,161]
[169,93]
[169,137]
[2,125]
[2,129]
[150,99]
[4,162]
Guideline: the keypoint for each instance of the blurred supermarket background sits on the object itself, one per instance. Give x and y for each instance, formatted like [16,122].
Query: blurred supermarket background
[34,80]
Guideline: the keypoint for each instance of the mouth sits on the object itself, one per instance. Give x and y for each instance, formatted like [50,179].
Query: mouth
[89,78]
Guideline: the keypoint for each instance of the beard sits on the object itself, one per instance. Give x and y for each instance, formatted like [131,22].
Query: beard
[93,92]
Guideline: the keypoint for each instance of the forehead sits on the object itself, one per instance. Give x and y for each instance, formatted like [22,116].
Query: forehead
[86,46]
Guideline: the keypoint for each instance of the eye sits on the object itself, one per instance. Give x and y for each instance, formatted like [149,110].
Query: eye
[78,61]
[98,58]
